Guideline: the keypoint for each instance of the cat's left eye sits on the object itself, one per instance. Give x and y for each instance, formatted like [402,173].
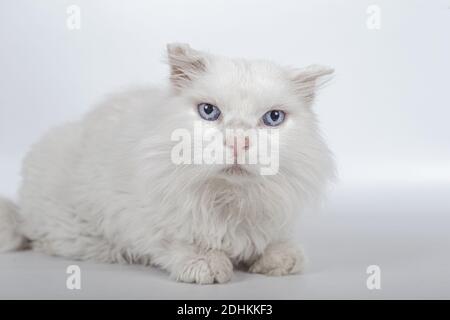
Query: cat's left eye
[273,118]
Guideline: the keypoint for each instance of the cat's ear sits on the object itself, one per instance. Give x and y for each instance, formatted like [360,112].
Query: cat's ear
[308,80]
[185,64]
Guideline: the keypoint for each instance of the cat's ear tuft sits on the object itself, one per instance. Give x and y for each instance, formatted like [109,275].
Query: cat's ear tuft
[185,64]
[308,80]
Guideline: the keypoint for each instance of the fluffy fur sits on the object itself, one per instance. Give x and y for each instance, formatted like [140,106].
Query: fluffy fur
[105,188]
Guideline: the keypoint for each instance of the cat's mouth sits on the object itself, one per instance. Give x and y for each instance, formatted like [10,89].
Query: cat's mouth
[236,170]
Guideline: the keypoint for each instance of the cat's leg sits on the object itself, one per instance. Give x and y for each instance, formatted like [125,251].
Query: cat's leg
[188,263]
[278,259]
[81,247]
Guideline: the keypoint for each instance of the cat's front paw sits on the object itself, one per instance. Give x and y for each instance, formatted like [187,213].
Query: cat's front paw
[213,267]
[279,259]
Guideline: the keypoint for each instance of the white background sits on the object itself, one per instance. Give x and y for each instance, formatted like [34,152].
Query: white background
[385,115]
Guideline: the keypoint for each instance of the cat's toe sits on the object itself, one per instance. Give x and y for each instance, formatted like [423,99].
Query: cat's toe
[196,271]
[214,267]
[221,266]
[279,262]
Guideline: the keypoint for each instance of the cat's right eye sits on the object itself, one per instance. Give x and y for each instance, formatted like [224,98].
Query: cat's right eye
[208,111]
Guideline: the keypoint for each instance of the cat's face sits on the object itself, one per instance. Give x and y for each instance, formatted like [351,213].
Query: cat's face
[254,115]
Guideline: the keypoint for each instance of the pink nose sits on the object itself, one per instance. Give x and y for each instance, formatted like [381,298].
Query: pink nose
[237,144]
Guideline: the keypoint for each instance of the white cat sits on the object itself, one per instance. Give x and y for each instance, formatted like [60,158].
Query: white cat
[105,187]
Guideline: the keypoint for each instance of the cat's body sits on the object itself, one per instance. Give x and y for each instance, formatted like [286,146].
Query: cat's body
[105,188]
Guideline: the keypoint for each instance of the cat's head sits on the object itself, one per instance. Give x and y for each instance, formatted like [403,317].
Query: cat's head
[233,102]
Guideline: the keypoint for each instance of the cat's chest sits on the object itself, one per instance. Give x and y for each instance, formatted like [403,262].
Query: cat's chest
[240,222]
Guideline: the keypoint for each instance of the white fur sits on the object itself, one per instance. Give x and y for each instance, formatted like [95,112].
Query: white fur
[10,237]
[104,188]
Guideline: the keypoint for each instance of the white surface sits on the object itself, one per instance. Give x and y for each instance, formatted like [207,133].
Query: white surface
[404,232]
[385,116]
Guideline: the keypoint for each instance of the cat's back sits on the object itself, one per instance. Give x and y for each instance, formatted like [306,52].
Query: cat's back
[46,171]
[67,155]
[124,106]
[59,150]
[52,153]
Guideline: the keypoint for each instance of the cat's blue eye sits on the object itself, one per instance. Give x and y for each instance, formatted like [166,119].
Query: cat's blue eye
[208,111]
[273,118]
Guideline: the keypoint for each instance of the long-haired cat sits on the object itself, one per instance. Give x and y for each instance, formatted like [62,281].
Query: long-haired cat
[107,187]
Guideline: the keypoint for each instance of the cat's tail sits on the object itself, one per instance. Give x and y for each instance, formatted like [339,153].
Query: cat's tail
[10,236]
